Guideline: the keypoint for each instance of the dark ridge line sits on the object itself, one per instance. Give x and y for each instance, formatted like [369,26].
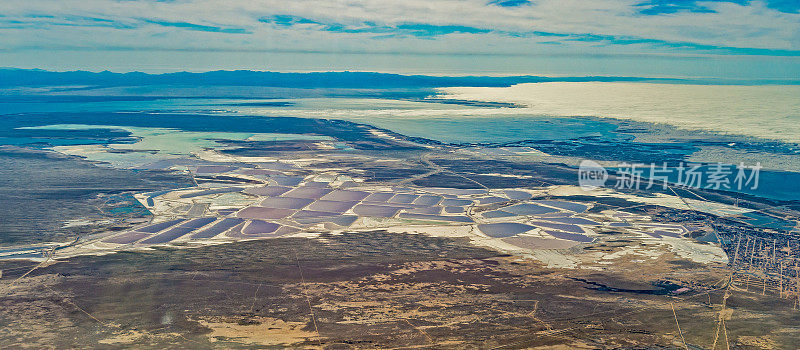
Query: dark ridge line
[341,79]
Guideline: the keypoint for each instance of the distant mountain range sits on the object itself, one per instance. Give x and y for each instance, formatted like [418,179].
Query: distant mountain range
[351,80]
[368,80]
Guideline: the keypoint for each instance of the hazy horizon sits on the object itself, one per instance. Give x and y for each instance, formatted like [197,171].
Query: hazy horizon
[782,69]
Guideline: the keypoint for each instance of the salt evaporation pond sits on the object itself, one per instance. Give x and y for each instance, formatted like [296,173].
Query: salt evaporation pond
[492,200]
[220,227]
[428,200]
[376,210]
[199,222]
[570,236]
[575,221]
[331,206]
[264,213]
[456,202]
[505,229]
[427,210]
[563,227]
[259,227]
[302,214]
[159,226]
[287,180]
[518,195]
[578,208]
[497,214]
[436,217]
[307,192]
[344,195]
[168,235]
[380,197]
[286,202]
[403,198]
[456,191]
[529,209]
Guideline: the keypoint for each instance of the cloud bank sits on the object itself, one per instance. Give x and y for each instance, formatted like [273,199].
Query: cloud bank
[518,27]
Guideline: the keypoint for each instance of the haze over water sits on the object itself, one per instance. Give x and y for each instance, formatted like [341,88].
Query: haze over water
[767,111]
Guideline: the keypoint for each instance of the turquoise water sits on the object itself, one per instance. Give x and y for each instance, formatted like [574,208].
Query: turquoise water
[499,129]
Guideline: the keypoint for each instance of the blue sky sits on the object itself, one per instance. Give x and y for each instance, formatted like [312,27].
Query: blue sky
[57,33]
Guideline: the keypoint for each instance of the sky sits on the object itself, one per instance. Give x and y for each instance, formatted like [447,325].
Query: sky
[728,38]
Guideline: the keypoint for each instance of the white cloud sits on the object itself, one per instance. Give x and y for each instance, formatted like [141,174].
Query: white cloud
[124,24]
